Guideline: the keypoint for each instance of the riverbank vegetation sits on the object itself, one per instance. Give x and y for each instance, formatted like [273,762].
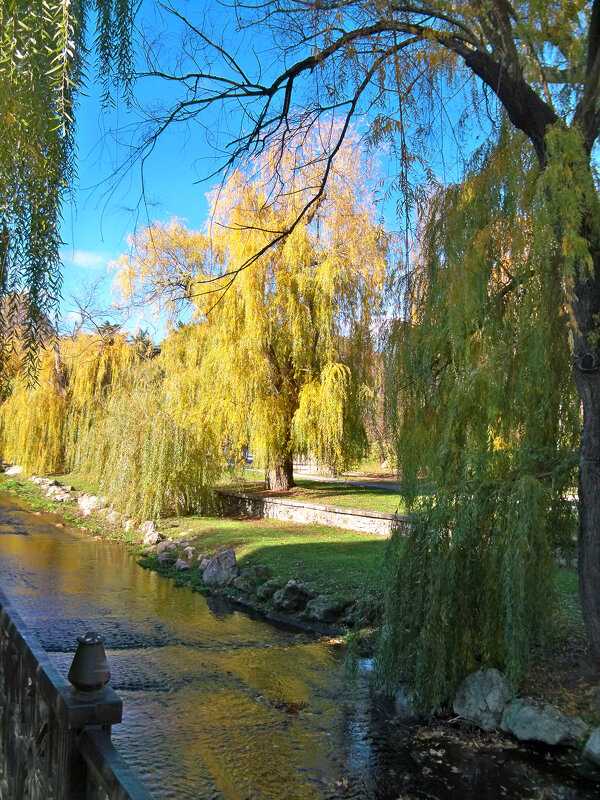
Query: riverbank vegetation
[288,355]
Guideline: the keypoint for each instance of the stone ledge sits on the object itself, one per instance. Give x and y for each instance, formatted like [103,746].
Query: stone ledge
[377,522]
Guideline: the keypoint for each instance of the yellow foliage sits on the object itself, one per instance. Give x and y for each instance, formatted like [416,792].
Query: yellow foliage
[32,420]
[269,326]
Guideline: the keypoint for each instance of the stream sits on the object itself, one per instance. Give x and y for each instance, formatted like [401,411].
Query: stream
[207,690]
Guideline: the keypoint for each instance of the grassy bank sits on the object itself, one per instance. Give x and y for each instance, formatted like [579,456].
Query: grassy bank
[329,560]
[346,565]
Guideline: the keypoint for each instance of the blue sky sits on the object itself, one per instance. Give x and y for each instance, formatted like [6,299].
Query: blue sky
[105,206]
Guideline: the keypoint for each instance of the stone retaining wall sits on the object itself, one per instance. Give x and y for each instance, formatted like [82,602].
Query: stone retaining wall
[280,508]
[54,743]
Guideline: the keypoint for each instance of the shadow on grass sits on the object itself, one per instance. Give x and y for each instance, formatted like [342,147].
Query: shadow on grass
[332,567]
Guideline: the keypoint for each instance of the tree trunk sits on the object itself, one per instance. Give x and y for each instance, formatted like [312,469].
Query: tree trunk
[588,384]
[586,370]
[280,474]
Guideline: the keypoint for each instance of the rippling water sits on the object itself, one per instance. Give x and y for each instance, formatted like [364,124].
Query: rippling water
[204,689]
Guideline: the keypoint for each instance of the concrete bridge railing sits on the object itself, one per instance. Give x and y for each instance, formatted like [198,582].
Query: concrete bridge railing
[54,741]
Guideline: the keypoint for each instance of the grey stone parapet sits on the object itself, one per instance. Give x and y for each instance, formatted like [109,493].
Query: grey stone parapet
[282,508]
[51,737]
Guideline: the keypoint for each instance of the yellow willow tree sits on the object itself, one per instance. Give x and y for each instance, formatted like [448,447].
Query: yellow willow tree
[286,340]
[103,407]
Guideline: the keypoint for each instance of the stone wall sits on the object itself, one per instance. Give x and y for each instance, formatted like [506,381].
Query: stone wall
[54,743]
[281,508]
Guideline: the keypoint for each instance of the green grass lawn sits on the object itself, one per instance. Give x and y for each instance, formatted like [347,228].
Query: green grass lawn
[332,561]
[329,494]
[343,563]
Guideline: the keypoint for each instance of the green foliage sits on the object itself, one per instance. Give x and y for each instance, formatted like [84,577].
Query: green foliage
[485,412]
[42,45]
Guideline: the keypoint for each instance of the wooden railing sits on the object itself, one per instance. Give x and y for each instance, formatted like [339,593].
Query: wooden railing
[54,742]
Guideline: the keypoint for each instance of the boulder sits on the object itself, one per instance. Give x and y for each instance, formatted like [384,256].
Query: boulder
[14,470]
[591,751]
[204,561]
[323,609]
[150,532]
[59,494]
[89,502]
[221,570]
[181,565]
[268,589]
[539,722]
[154,537]
[292,598]
[165,547]
[246,580]
[350,615]
[482,698]
[114,518]
[148,527]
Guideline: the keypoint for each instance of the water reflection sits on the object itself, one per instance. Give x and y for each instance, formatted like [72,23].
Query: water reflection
[218,705]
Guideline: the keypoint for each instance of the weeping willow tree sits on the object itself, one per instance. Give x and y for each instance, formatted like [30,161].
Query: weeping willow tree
[274,372]
[101,408]
[42,54]
[487,415]
[33,419]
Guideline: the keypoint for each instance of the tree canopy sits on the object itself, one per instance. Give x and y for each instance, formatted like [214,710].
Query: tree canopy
[488,417]
[285,345]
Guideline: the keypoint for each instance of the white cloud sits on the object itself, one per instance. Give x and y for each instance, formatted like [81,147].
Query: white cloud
[86,259]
